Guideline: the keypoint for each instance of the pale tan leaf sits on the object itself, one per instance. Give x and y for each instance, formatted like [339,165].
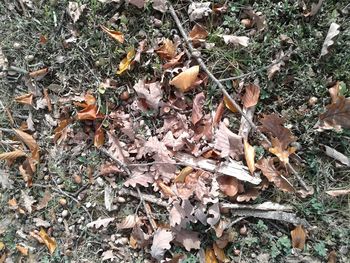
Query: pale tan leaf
[28,140]
[338,192]
[128,222]
[198,33]
[160,5]
[228,185]
[23,250]
[331,152]
[27,201]
[100,222]
[137,3]
[298,237]
[167,50]
[249,153]
[75,10]
[236,40]
[12,155]
[151,92]
[249,195]
[39,74]
[251,96]
[161,243]
[50,242]
[108,255]
[189,239]
[332,257]
[113,34]
[44,201]
[185,79]
[213,214]
[25,99]
[332,32]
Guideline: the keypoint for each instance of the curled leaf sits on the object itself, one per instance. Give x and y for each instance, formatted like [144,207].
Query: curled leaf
[50,242]
[185,79]
[332,32]
[12,155]
[28,140]
[25,99]
[228,185]
[89,113]
[229,105]
[251,96]
[99,137]
[236,40]
[337,115]
[113,34]
[167,50]
[126,62]
[249,153]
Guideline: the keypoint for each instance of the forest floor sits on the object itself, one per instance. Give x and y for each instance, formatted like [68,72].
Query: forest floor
[113,142]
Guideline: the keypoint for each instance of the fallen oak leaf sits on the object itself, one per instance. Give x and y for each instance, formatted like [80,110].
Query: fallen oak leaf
[189,239]
[128,222]
[116,35]
[198,34]
[174,61]
[167,50]
[229,185]
[25,99]
[332,32]
[126,62]
[28,201]
[248,195]
[89,113]
[185,79]
[161,243]
[50,242]
[28,140]
[298,237]
[100,222]
[337,115]
[236,40]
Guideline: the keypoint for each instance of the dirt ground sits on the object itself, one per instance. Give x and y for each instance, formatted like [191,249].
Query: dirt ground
[82,113]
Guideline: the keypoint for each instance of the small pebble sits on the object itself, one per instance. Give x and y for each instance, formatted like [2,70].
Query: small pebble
[60,220]
[29,58]
[88,205]
[64,213]
[16,45]
[243,230]
[71,228]
[120,199]
[58,181]
[313,101]
[253,255]
[279,234]
[47,177]
[77,179]
[121,241]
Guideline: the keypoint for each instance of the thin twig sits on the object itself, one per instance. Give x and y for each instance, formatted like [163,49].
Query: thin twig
[146,197]
[196,55]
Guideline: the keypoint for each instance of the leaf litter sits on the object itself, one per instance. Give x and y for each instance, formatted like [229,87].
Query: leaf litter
[170,139]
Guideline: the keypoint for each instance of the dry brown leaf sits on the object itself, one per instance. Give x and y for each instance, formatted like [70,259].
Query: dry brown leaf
[30,142]
[23,250]
[182,175]
[151,92]
[185,79]
[266,165]
[331,152]
[332,257]
[25,99]
[27,201]
[338,192]
[12,155]
[108,255]
[89,113]
[282,154]
[61,131]
[219,113]
[251,96]
[39,74]
[174,61]
[210,256]
[198,33]
[50,242]
[236,40]
[337,115]
[273,125]
[227,142]
[197,110]
[161,243]
[167,50]
[189,239]
[116,35]
[219,253]
[249,195]
[278,63]
[99,137]
[166,190]
[228,185]
[229,105]
[298,237]
[249,153]
[45,200]
[128,222]
[27,170]
[332,32]
[257,20]
[126,62]
[334,92]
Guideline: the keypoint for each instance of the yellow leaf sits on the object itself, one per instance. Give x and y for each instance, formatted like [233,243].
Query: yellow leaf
[50,242]
[182,175]
[210,256]
[298,237]
[249,153]
[185,79]
[12,155]
[229,105]
[277,150]
[23,250]
[25,99]
[219,252]
[113,34]
[2,245]
[125,63]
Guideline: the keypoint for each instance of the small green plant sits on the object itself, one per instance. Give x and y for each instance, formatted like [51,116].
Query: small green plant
[320,249]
